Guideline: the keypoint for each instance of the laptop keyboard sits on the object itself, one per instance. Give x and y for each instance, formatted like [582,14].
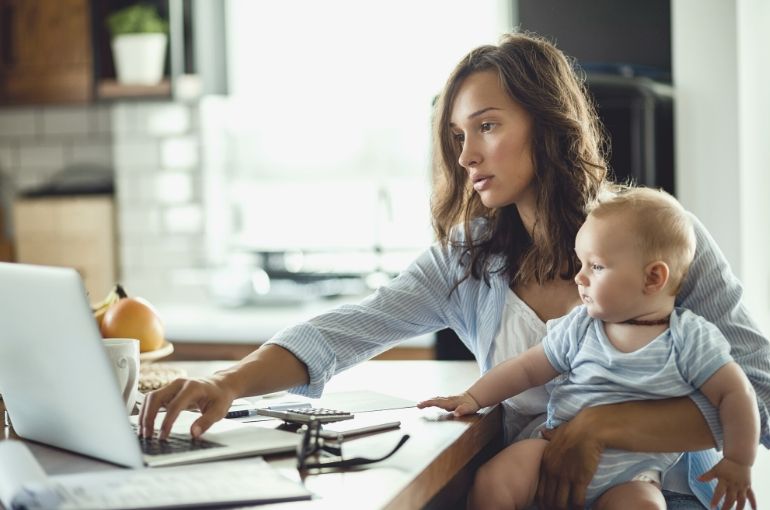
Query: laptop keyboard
[175,443]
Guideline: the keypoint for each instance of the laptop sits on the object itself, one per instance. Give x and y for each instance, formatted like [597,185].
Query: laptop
[60,389]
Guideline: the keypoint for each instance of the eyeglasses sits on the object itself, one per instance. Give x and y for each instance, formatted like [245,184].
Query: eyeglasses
[313,445]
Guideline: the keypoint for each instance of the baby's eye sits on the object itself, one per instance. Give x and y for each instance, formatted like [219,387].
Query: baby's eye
[596,268]
[487,126]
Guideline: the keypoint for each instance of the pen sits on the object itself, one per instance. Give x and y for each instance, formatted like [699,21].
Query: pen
[242,413]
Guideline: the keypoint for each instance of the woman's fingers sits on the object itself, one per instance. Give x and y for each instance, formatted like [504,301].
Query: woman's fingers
[153,401]
[189,393]
[181,395]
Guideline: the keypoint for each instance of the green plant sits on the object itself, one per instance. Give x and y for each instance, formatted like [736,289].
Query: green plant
[136,19]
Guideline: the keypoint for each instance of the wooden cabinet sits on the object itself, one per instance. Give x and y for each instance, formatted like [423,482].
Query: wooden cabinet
[6,250]
[77,231]
[58,51]
[45,51]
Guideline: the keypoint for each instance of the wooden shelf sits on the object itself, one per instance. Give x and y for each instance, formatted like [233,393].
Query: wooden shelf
[111,89]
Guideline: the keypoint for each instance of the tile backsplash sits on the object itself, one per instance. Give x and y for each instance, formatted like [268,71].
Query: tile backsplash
[193,190]
[35,143]
[154,152]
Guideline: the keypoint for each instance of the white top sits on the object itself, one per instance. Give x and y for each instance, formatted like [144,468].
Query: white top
[520,329]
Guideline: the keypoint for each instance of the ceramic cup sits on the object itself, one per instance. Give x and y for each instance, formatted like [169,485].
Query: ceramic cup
[124,356]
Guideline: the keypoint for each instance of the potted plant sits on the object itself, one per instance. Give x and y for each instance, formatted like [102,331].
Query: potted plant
[139,40]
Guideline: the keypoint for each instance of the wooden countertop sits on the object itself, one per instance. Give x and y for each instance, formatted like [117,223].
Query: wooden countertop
[432,470]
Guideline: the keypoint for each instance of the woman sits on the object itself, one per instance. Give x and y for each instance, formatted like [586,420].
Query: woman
[519,158]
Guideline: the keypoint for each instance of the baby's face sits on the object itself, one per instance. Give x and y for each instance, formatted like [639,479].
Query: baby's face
[611,279]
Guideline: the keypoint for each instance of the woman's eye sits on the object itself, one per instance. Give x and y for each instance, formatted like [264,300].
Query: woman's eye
[459,138]
[486,127]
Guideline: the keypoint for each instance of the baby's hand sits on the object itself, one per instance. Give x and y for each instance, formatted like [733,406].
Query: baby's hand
[733,483]
[459,404]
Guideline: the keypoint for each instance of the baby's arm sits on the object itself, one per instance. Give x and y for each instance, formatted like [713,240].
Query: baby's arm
[507,379]
[730,391]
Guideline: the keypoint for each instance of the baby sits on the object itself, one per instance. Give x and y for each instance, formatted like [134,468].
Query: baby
[626,342]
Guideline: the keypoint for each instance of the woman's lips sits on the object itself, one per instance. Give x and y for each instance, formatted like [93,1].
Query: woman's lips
[482,183]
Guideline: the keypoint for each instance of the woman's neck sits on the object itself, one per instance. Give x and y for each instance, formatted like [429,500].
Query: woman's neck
[527,215]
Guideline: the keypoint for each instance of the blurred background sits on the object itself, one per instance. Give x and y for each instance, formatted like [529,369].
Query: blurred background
[279,163]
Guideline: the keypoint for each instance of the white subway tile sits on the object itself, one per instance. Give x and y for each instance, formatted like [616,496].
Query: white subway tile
[167,120]
[131,255]
[123,119]
[16,122]
[136,153]
[67,120]
[101,119]
[41,156]
[186,219]
[146,284]
[173,187]
[91,152]
[137,223]
[133,190]
[9,159]
[180,152]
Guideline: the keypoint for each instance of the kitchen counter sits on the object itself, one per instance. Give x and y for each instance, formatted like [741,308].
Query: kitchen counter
[210,323]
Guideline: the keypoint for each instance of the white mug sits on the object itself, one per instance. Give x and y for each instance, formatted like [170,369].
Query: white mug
[124,355]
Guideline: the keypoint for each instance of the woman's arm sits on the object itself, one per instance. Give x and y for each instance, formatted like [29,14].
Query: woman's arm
[572,456]
[256,374]
[712,291]
[303,357]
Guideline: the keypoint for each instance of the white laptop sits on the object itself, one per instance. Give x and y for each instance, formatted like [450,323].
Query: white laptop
[60,388]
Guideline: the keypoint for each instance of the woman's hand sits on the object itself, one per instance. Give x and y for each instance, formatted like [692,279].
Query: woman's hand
[459,404]
[269,368]
[569,463]
[211,395]
[733,484]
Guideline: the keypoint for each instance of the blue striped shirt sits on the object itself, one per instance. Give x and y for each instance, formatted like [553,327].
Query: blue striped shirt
[594,372]
[418,302]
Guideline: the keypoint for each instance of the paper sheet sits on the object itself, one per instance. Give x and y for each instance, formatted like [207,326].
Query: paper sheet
[17,467]
[23,482]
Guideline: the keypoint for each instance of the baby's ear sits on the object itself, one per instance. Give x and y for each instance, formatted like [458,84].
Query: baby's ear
[656,276]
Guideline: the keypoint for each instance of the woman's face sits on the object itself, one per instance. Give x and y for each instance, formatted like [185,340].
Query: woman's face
[494,133]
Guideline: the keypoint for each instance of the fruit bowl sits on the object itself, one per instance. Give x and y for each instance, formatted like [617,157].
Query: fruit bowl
[161,352]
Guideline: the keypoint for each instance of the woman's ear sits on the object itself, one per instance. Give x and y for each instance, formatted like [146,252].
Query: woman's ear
[656,276]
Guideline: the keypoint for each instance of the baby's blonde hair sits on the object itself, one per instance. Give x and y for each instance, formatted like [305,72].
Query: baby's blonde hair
[664,229]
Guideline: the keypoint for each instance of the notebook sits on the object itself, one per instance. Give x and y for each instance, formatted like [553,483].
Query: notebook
[60,389]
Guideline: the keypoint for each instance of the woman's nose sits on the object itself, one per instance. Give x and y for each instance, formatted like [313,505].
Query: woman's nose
[469,157]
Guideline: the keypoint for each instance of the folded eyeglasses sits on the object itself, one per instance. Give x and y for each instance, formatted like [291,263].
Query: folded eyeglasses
[314,446]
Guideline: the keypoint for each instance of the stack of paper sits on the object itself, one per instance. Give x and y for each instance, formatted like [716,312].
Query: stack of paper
[23,484]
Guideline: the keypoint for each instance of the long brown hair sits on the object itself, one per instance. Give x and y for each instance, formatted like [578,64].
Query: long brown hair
[567,152]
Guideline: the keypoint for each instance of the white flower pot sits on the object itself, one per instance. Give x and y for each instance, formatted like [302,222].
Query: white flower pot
[139,58]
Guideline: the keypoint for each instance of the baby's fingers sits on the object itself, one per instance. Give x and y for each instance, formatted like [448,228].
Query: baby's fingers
[719,493]
[464,409]
[446,403]
[752,499]
[708,475]
[730,498]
